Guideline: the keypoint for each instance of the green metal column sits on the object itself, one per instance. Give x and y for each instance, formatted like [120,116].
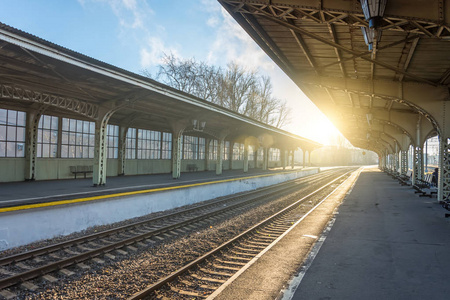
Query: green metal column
[32,125]
[245,157]
[219,161]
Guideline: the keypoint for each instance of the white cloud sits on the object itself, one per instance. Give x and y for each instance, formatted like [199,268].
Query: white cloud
[232,43]
[212,22]
[210,5]
[152,54]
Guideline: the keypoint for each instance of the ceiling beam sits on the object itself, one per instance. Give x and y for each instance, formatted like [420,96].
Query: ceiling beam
[52,68]
[435,29]
[301,43]
[332,44]
[368,52]
[332,31]
[412,49]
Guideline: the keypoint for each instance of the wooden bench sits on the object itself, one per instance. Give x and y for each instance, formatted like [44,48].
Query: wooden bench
[192,167]
[425,186]
[80,170]
[406,178]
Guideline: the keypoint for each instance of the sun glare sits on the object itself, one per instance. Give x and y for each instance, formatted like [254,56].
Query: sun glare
[323,131]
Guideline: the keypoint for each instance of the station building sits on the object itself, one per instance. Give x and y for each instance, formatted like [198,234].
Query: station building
[63,114]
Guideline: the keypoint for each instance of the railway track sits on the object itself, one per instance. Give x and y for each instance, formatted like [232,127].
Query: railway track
[21,268]
[201,277]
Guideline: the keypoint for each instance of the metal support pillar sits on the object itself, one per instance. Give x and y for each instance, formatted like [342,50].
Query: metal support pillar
[404,162]
[220,152]
[245,157]
[444,169]
[293,159]
[304,159]
[309,158]
[417,165]
[177,135]
[418,155]
[230,155]
[265,158]
[207,141]
[33,119]
[396,160]
[122,150]
[100,150]
[283,158]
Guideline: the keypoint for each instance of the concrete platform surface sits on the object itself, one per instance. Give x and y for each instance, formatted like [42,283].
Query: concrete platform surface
[268,273]
[386,243]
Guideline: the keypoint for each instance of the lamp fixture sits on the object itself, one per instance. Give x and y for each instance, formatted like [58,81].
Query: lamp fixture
[369,119]
[373,11]
[198,125]
[371,36]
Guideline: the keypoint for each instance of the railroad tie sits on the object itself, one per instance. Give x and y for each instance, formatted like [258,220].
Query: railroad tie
[250,250]
[105,241]
[246,259]
[257,244]
[209,279]
[6,272]
[83,266]
[68,251]
[131,248]
[187,282]
[248,255]
[7,295]
[141,244]
[121,252]
[83,248]
[38,260]
[221,267]
[228,262]
[207,287]
[23,266]
[49,278]
[66,272]
[183,292]
[110,256]
[98,260]
[215,272]
[55,256]
[26,285]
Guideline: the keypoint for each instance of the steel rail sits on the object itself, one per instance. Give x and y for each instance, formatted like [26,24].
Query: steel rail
[73,242]
[51,267]
[150,289]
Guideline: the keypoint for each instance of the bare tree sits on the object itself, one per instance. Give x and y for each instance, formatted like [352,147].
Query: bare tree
[235,88]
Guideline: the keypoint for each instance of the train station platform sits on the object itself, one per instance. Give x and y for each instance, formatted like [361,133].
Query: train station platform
[37,210]
[386,243]
[382,242]
[25,193]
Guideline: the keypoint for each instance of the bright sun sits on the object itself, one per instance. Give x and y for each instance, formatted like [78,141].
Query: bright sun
[324,131]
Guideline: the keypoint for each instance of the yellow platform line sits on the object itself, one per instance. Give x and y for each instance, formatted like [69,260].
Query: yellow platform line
[79,200]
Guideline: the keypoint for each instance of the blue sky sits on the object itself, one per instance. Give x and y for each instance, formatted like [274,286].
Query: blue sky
[133,34]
